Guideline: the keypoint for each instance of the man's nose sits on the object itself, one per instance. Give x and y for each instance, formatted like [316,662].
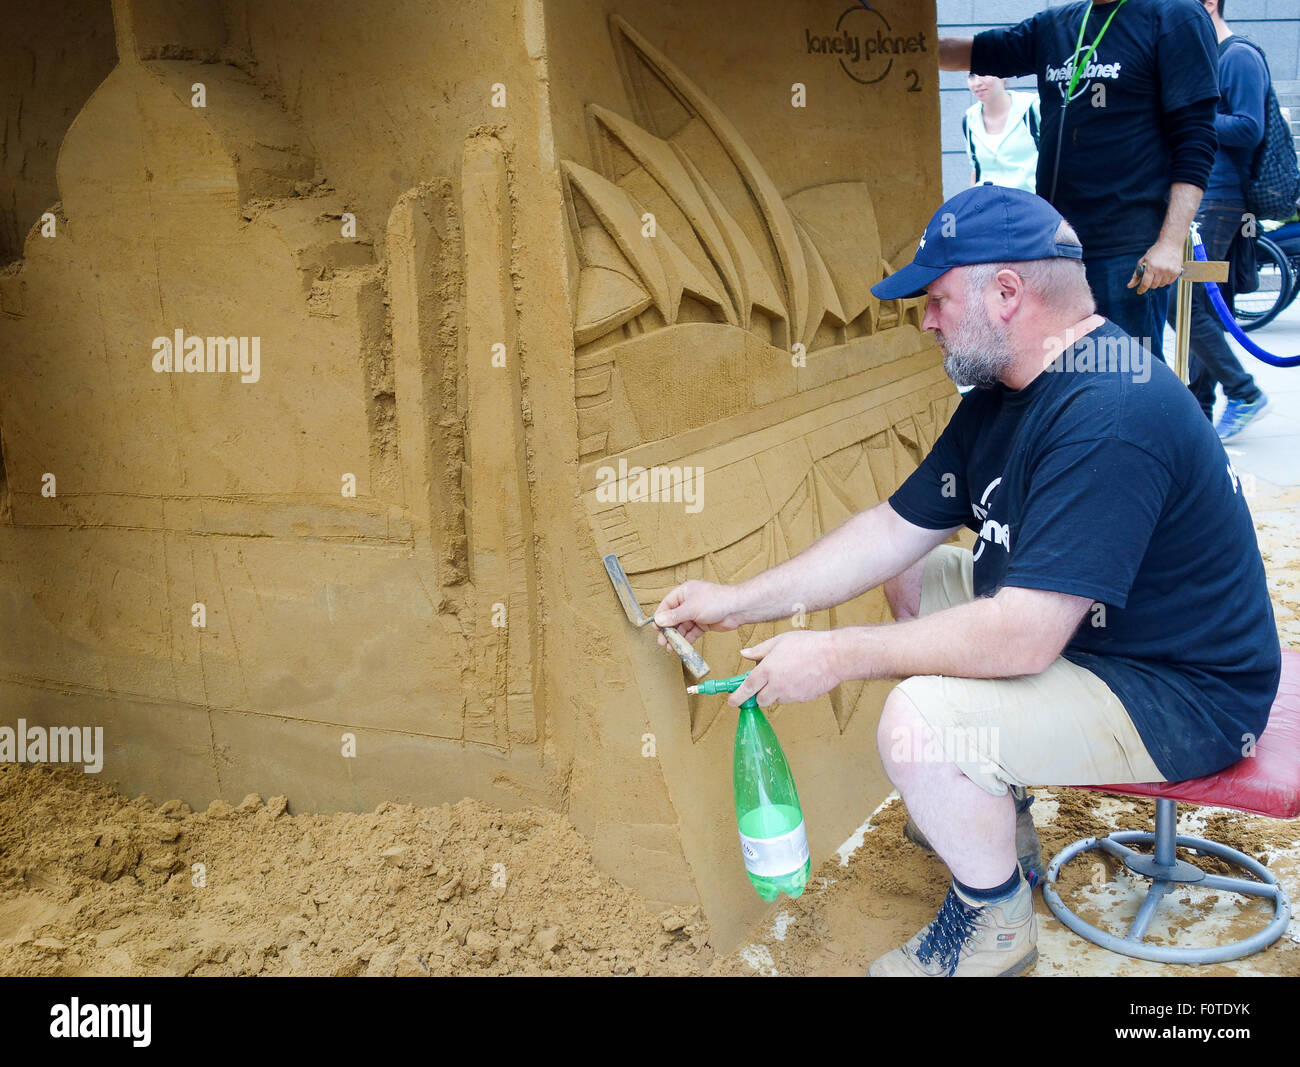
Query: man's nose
[929,321]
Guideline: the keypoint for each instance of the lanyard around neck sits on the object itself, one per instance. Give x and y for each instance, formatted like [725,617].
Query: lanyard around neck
[1080,65]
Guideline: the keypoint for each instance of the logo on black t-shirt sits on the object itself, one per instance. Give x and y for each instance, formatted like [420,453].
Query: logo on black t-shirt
[1060,76]
[991,531]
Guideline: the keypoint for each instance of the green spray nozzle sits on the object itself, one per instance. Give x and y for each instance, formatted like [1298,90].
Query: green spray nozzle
[722,685]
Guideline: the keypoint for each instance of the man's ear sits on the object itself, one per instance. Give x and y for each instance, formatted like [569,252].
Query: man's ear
[1010,293]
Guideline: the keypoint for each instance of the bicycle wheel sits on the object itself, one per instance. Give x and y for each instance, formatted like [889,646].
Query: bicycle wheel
[1295,272]
[1276,284]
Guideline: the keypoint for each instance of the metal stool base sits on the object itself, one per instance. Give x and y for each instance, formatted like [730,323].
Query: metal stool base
[1167,872]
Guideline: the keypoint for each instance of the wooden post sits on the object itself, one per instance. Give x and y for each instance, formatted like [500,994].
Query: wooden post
[1193,271]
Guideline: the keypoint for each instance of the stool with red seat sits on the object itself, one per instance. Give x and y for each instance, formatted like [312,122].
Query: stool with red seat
[1265,783]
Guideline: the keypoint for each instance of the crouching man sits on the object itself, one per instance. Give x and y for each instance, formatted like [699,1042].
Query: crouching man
[1112,623]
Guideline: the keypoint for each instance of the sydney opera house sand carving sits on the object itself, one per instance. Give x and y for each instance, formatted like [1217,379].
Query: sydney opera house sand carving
[494,260]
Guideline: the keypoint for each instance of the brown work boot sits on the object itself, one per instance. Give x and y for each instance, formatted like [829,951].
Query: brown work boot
[1029,850]
[968,939]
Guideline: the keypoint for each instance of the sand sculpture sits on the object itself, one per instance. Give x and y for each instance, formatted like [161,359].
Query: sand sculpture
[331,373]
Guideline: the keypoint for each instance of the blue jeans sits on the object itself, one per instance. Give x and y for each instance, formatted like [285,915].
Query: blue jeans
[1209,359]
[1139,315]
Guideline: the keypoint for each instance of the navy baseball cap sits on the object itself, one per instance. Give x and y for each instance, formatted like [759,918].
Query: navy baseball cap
[985,224]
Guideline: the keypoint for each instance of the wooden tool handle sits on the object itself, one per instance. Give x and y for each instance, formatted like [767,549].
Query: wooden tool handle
[692,659]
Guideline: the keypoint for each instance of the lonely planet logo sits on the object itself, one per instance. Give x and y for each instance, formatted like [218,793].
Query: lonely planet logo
[865,45]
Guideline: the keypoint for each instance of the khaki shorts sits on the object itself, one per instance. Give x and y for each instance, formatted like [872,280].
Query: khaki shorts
[1061,727]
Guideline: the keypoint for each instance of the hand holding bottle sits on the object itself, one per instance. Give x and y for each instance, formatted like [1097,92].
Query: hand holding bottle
[794,667]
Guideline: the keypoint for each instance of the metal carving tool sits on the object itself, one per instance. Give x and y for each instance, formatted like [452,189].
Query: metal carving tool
[691,659]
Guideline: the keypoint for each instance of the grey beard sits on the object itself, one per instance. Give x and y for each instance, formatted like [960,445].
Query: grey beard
[968,367]
[980,352]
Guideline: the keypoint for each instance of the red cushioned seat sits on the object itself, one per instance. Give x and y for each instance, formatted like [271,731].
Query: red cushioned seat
[1267,783]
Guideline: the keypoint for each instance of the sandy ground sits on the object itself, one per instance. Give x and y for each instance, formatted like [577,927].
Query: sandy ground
[94,883]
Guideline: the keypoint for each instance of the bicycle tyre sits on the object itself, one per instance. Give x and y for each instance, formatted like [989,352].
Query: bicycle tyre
[1277,288]
[1295,284]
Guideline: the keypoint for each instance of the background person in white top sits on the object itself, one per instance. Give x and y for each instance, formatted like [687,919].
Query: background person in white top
[1001,134]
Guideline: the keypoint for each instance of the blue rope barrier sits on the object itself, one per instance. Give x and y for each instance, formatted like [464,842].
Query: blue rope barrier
[1230,323]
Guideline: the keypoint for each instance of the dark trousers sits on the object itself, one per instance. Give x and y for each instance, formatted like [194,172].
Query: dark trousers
[1210,361]
[1139,315]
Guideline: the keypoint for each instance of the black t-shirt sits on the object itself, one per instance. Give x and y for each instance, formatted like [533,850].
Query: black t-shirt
[1156,57]
[1107,481]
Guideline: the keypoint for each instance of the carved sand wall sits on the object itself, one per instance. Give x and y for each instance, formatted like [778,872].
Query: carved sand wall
[481,264]
[52,55]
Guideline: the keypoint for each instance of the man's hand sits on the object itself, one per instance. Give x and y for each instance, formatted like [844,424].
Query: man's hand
[1164,263]
[694,607]
[1164,259]
[795,667]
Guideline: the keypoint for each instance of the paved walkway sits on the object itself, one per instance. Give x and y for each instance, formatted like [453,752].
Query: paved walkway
[1270,448]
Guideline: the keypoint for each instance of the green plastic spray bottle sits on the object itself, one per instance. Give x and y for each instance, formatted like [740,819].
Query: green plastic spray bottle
[772,837]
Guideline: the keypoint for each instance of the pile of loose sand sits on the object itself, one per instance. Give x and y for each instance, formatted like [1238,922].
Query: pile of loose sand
[91,882]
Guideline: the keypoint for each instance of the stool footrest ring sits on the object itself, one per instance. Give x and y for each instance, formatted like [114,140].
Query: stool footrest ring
[1164,878]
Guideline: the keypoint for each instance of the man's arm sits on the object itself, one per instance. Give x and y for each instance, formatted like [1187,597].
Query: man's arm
[1243,85]
[1190,131]
[1184,198]
[1019,631]
[859,554]
[954,53]
[1164,259]
[1188,78]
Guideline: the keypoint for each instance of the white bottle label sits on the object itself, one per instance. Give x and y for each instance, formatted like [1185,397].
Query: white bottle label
[772,857]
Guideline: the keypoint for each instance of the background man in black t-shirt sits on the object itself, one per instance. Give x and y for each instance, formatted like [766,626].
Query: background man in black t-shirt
[1126,147]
